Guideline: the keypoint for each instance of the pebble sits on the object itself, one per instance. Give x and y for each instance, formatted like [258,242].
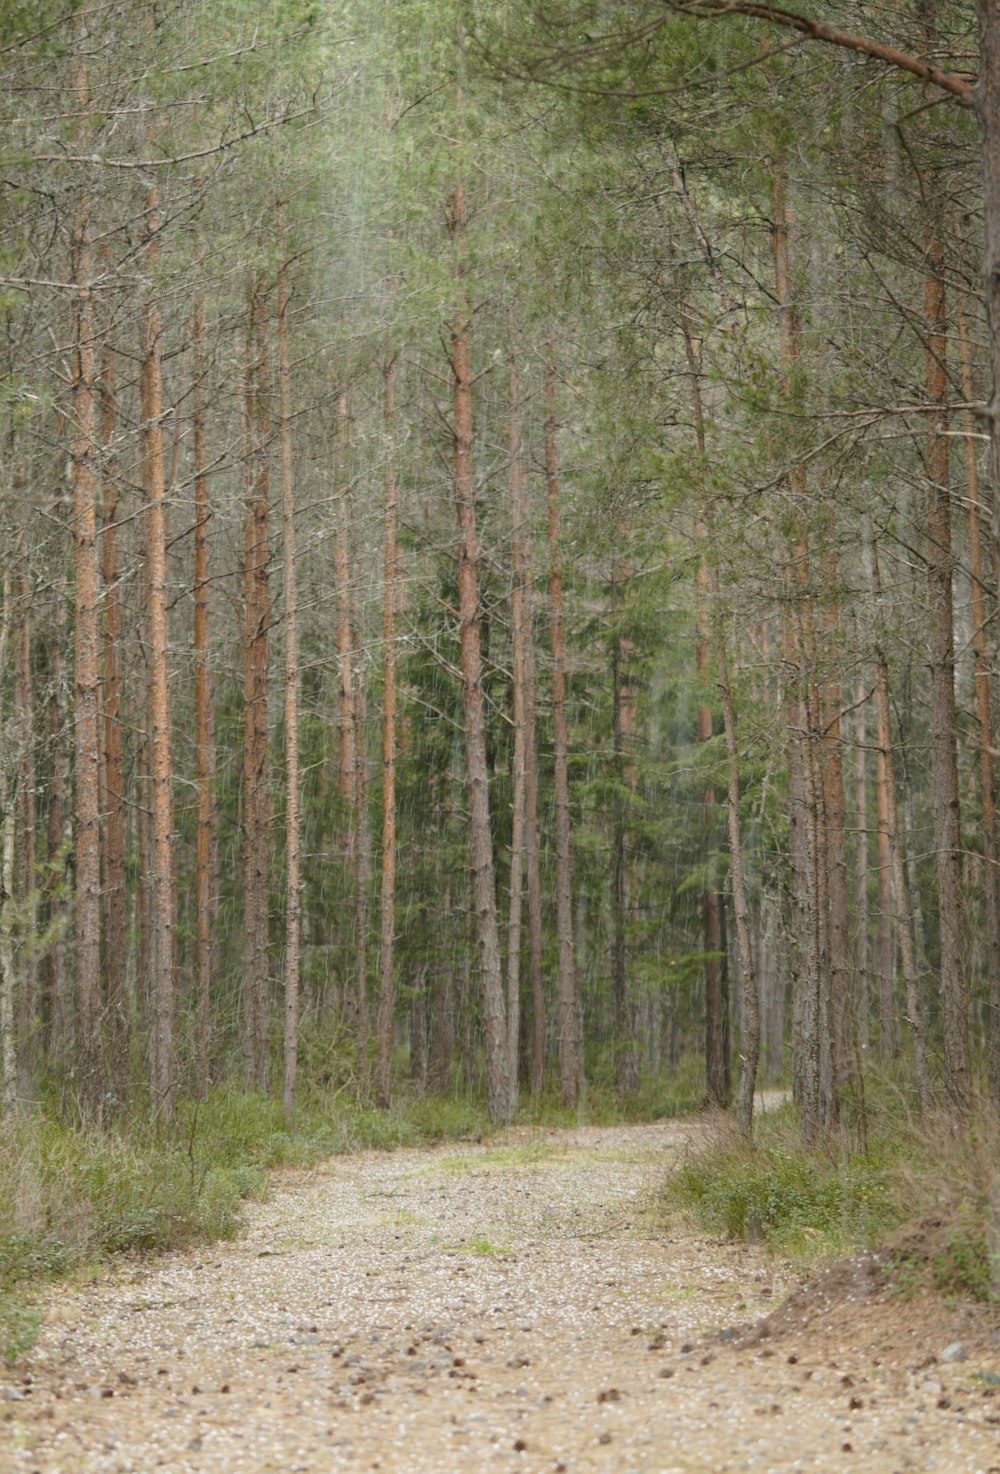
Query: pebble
[955,1352]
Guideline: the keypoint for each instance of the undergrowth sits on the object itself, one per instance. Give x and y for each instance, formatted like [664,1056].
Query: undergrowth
[71,1197]
[927,1193]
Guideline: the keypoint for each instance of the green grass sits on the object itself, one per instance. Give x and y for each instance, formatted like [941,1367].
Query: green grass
[942,1176]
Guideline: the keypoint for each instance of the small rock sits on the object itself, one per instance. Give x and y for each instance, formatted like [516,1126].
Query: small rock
[12,1394]
[955,1352]
[931,1388]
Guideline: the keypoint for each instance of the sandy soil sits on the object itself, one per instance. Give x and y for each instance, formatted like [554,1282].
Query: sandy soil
[507,1306]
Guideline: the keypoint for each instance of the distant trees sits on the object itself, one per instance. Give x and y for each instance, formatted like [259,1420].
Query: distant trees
[528,453]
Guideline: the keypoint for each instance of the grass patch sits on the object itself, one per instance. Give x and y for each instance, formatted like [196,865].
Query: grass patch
[484,1246]
[941,1177]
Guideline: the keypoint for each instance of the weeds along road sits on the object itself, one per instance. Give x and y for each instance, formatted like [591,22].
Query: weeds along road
[511,1306]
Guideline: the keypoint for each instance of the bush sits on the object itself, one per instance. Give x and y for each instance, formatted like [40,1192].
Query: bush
[773,1189]
[941,1177]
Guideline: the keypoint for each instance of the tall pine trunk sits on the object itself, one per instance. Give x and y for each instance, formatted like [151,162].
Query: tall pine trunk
[113,757]
[570,1003]
[984,711]
[256,605]
[883,730]
[163,1063]
[293,861]
[387,986]
[206,861]
[944,753]
[499,1086]
[750,1000]
[87,864]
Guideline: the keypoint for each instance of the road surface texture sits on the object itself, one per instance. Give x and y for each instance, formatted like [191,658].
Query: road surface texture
[514,1305]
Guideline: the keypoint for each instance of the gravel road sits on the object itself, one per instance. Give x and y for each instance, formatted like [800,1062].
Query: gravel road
[507,1306]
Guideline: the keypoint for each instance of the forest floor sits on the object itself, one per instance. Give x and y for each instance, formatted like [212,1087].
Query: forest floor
[512,1305]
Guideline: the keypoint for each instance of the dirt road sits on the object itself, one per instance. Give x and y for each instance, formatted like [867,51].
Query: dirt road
[510,1306]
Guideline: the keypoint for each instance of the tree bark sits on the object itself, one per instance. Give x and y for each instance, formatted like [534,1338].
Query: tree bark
[113,757]
[347,735]
[861,948]
[623,739]
[387,985]
[811,1004]
[8,983]
[984,712]
[750,1000]
[883,725]
[163,1072]
[27,1022]
[293,863]
[717,1078]
[256,602]
[499,1087]
[58,1041]
[206,858]
[524,836]
[887,908]
[570,1003]
[944,755]
[87,901]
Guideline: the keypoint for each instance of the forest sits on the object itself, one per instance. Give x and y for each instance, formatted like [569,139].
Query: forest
[500,562]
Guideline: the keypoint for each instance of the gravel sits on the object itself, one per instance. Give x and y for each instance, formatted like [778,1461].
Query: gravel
[508,1306]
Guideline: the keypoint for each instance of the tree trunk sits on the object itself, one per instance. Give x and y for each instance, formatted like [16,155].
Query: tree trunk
[114,827]
[717,1079]
[8,985]
[524,836]
[26,1029]
[538,1020]
[346,715]
[293,877]
[87,862]
[162,900]
[749,1001]
[886,910]
[883,724]
[59,1041]
[842,981]
[570,1003]
[499,1087]
[986,100]
[387,985]
[623,703]
[944,756]
[811,1005]
[256,798]
[861,950]
[206,859]
[987,774]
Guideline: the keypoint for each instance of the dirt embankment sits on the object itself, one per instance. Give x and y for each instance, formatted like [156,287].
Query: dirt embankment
[511,1306]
